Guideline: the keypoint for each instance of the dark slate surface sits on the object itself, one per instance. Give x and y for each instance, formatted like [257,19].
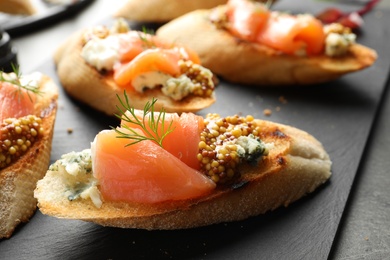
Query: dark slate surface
[340,114]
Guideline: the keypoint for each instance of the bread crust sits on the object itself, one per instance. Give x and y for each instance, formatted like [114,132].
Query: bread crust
[255,64]
[86,84]
[294,167]
[23,7]
[162,10]
[18,181]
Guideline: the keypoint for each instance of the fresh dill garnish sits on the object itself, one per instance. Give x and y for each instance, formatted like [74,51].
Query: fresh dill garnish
[146,37]
[268,3]
[152,125]
[148,31]
[15,80]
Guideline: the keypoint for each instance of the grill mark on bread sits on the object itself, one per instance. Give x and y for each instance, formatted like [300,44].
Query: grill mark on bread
[281,160]
[278,133]
[239,185]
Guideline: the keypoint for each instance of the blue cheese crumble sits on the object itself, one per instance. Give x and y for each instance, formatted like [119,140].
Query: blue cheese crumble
[250,148]
[338,39]
[75,169]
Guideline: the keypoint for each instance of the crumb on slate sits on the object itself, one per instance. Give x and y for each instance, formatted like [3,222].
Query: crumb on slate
[282,100]
[267,112]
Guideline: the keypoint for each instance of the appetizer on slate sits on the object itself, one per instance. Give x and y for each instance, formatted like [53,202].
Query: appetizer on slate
[97,64]
[264,47]
[159,170]
[28,106]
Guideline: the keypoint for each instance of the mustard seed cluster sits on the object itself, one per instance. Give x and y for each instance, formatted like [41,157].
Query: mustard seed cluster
[17,136]
[202,78]
[219,151]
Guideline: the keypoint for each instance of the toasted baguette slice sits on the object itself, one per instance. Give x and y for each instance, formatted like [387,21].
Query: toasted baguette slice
[295,166]
[251,63]
[99,91]
[18,180]
[23,7]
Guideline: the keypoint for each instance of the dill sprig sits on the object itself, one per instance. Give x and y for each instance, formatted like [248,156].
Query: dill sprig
[150,123]
[145,37]
[15,80]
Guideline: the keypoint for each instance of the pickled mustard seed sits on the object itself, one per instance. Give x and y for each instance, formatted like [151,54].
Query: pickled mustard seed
[16,137]
[218,150]
[204,86]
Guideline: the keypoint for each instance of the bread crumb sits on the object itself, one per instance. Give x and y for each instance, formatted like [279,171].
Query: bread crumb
[267,112]
[69,130]
[366,238]
[277,109]
[282,100]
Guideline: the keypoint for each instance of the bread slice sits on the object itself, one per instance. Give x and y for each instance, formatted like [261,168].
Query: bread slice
[18,180]
[251,63]
[22,7]
[98,90]
[296,165]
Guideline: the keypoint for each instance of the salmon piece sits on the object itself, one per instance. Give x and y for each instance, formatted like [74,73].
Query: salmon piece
[292,34]
[162,60]
[143,172]
[183,141]
[247,18]
[134,42]
[141,52]
[15,102]
[187,54]
[130,47]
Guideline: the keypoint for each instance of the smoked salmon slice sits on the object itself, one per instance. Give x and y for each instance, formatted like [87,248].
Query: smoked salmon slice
[184,139]
[133,43]
[292,35]
[296,35]
[15,102]
[247,18]
[141,52]
[166,61]
[143,172]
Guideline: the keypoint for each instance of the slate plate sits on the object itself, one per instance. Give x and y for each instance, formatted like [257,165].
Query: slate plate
[340,114]
[46,15]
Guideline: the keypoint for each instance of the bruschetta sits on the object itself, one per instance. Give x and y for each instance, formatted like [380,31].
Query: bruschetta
[95,66]
[268,48]
[169,171]
[28,106]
